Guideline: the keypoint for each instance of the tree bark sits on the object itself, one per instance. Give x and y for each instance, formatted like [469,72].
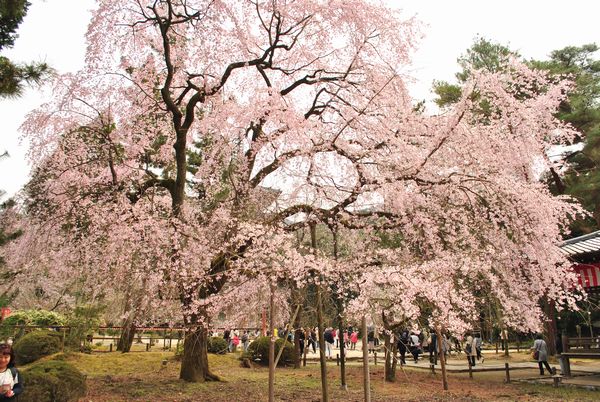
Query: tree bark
[127,336]
[442,357]
[390,354]
[321,334]
[550,326]
[341,332]
[194,366]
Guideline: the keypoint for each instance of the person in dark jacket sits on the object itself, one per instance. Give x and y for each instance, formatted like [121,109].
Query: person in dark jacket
[402,346]
[10,381]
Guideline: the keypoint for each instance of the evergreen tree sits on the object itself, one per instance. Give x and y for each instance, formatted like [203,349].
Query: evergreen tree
[582,110]
[13,76]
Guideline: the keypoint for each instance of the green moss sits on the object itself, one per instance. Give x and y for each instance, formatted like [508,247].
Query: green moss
[36,344]
[52,380]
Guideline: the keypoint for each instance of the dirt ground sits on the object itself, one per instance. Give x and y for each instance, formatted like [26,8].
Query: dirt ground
[153,376]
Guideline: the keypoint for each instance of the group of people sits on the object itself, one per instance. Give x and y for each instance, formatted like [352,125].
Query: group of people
[234,339]
[415,342]
[418,342]
[332,336]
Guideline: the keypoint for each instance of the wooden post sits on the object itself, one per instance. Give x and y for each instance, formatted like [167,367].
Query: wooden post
[365,346]
[110,347]
[337,359]
[470,368]
[272,345]
[62,346]
[147,347]
[432,368]
[375,357]
[507,369]
[497,345]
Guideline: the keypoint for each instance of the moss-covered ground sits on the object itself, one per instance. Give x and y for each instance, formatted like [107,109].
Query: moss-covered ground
[153,376]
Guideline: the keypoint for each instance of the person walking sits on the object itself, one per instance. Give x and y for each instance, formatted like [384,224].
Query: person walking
[470,350]
[478,342]
[245,341]
[540,353]
[354,339]
[415,346]
[328,335]
[402,346]
[312,340]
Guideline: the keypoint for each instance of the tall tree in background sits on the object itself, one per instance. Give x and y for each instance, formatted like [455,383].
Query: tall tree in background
[582,110]
[13,76]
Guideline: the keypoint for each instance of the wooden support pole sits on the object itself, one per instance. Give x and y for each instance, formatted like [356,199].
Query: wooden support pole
[272,345]
[507,369]
[365,346]
[442,356]
[110,347]
[470,368]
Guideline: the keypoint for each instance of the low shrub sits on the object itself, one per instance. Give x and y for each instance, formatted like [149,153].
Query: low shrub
[36,344]
[259,351]
[53,380]
[217,345]
[29,317]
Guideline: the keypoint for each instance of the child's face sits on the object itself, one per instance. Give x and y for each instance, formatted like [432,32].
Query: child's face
[4,360]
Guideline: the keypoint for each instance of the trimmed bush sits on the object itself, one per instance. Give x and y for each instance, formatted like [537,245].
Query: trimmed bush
[259,351]
[217,345]
[36,344]
[29,317]
[52,381]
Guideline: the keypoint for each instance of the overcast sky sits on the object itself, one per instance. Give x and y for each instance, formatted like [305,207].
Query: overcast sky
[53,32]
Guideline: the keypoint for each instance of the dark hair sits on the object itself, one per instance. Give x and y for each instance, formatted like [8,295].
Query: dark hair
[539,336]
[6,349]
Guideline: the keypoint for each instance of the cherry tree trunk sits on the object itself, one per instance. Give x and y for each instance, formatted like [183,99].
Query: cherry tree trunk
[194,366]
[442,357]
[343,384]
[390,358]
[321,336]
[126,338]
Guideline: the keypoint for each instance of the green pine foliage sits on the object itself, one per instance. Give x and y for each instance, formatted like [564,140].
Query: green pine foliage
[14,76]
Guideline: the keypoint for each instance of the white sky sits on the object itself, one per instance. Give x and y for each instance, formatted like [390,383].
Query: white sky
[53,32]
